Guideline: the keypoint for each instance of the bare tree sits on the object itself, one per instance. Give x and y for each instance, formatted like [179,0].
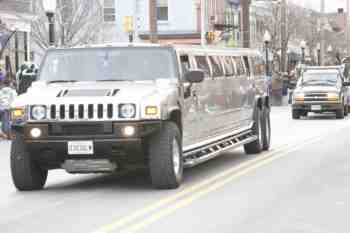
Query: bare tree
[76,22]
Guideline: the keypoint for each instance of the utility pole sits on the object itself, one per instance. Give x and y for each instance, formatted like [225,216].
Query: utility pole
[284,42]
[347,22]
[203,21]
[245,28]
[153,22]
[323,42]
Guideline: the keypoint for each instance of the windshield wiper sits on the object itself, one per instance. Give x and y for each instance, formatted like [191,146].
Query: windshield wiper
[62,81]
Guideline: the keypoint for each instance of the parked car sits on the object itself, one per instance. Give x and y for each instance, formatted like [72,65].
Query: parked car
[319,90]
[104,108]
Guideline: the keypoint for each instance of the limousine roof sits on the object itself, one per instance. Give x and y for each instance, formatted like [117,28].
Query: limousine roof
[177,47]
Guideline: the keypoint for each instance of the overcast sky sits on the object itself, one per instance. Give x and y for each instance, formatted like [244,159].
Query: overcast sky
[331,5]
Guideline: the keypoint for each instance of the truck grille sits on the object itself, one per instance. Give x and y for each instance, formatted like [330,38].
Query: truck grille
[316,97]
[78,112]
[79,129]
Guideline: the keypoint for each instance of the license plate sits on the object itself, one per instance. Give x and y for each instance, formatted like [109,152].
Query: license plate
[80,148]
[316,107]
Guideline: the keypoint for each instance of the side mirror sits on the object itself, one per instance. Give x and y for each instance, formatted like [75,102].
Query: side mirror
[346,84]
[194,76]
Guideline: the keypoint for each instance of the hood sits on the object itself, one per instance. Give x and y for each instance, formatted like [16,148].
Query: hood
[317,89]
[90,92]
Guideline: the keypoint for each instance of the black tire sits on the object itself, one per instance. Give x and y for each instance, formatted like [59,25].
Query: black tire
[164,174]
[305,114]
[339,114]
[295,114]
[346,110]
[256,146]
[266,129]
[27,175]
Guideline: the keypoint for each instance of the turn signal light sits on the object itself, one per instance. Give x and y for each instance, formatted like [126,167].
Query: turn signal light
[18,113]
[333,96]
[151,110]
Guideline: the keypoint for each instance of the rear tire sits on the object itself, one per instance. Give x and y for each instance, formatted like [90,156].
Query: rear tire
[266,128]
[346,110]
[295,114]
[165,157]
[256,146]
[27,175]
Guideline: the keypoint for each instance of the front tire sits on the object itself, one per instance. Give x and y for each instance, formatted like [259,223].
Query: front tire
[266,129]
[165,157]
[295,114]
[26,173]
[346,110]
[256,146]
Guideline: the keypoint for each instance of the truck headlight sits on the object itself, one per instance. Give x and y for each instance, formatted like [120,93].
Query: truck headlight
[38,112]
[127,111]
[333,96]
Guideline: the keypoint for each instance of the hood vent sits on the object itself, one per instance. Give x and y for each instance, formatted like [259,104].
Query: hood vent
[87,93]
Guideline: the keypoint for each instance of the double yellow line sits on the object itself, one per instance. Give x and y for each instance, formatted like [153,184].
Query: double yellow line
[142,218]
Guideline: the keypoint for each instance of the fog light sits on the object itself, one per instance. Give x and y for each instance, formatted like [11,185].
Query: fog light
[129,131]
[35,133]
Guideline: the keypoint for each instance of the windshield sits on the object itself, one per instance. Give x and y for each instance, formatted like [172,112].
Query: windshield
[108,64]
[320,79]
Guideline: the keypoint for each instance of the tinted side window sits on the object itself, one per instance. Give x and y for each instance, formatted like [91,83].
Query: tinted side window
[185,63]
[228,65]
[216,66]
[239,65]
[246,64]
[202,63]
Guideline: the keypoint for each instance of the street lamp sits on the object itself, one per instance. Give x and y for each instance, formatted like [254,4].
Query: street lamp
[50,8]
[267,39]
[303,46]
[318,54]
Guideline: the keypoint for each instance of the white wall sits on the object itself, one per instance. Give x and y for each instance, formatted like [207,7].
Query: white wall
[182,16]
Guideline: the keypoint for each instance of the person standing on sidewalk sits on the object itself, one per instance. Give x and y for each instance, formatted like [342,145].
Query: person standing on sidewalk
[7,95]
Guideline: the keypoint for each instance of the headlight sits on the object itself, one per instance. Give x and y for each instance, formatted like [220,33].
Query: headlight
[127,110]
[299,97]
[333,96]
[38,112]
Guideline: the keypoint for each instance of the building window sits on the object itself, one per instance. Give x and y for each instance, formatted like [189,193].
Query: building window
[162,10]
[108,11]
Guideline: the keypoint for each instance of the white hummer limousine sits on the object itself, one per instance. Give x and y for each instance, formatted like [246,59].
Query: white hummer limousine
[103,108]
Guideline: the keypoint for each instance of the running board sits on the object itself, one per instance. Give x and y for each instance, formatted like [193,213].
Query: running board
[200,155]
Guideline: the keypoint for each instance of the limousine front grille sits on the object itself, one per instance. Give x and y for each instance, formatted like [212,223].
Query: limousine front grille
[79,112]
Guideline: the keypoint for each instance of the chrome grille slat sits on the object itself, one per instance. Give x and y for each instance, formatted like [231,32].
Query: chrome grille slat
[82,112]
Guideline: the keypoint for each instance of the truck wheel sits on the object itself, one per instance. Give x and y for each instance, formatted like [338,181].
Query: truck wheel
[27,175]
[256,146]
[295,114]
[346,110]
[266,128]
[340,113]
[165,157]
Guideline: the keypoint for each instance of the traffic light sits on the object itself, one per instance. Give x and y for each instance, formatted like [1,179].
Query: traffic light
[210,37]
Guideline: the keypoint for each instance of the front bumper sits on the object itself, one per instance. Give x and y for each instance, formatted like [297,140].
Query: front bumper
[109,142]
[325,106]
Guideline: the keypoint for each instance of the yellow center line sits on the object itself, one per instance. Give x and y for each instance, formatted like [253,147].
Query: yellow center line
[189,200]
[153,206]
[232,173]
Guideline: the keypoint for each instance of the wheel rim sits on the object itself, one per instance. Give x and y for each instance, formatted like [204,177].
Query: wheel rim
[176,157]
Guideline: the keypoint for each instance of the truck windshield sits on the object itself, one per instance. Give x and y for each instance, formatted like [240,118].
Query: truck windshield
[317,79]
[108,64]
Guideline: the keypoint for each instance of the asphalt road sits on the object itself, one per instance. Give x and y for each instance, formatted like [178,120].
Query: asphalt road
[301,186]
